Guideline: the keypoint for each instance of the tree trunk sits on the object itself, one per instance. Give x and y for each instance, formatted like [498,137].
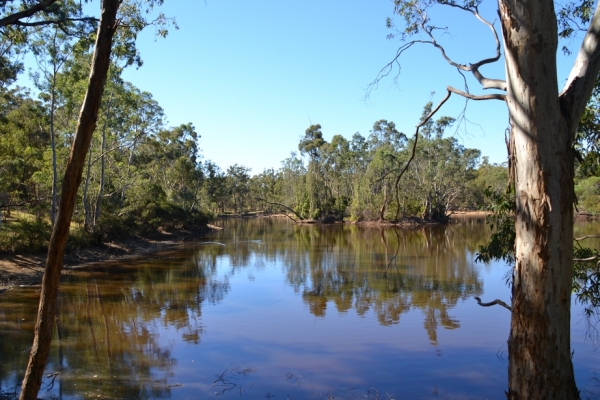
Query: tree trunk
[102,166]
[540,364]
[71,181]
[53,145]
[86,207]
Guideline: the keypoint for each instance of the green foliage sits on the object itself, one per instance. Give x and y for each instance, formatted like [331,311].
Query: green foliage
[588,195]
[586,266]
[24,236]
[501,245]
[586,278]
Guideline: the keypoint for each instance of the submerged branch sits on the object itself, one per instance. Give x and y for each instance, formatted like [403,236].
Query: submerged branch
[493,303]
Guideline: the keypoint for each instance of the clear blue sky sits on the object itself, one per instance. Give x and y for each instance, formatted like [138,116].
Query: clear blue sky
[252,76]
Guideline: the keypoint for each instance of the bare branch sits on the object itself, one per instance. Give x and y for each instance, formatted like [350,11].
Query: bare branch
[495,96]
[486,83]
[389,67]
[493,303]
[588,237]
[585,259]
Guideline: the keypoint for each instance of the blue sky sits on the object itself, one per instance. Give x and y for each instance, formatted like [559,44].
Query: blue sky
[253,76]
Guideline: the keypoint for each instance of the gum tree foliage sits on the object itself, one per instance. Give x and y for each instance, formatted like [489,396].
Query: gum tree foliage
[543,125]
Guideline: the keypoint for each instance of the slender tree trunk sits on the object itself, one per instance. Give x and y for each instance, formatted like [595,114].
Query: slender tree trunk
[86,207]
[540,364]
[102,168]
[71,181]
[53,146]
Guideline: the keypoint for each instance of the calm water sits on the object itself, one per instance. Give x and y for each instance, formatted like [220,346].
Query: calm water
[268,309]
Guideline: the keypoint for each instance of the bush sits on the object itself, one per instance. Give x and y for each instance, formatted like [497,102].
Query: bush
[25,236]
[588,195]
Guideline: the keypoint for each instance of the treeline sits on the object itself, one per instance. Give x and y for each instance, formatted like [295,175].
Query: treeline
[142,174]
[370,178]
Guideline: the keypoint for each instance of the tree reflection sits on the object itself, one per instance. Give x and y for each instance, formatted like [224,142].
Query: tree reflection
[112,316]
[109,326]
[389,271]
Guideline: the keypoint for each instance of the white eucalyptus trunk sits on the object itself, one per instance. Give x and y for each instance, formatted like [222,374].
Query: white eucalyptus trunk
[540,364]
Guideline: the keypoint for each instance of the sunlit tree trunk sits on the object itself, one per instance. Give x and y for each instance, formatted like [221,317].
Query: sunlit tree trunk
[540,364]
[71,181]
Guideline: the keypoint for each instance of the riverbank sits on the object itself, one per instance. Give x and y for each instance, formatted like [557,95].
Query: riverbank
[27,269]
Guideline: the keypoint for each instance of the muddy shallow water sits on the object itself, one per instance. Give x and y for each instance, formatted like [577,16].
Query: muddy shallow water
[268,309]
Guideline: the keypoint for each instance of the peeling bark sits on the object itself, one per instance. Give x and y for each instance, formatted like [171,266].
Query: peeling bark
[540,364]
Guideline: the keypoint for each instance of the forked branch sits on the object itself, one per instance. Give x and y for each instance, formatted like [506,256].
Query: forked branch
[418,21]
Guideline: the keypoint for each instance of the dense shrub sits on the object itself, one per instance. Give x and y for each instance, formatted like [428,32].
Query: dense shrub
[588,195]
[24,236]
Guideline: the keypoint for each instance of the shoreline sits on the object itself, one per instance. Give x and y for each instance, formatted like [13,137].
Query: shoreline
[26,270]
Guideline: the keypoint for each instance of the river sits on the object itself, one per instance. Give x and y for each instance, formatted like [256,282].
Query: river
[268,309]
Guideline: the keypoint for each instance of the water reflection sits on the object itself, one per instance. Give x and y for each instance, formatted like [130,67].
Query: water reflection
[388,270]
[338,308]
[111,317]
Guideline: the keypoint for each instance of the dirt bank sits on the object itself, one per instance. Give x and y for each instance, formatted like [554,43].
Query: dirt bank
[27,269]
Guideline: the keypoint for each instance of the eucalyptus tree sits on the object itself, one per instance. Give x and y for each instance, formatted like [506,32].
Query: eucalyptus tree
[237,180]
[490,178]
[266,185]
[543,122]
[51,48]
[386,143]
[441,171]
[214,187]
[146,121]
[170,158]
[311,144]
[337,174]
[293,184]
[23,141]
[108,25]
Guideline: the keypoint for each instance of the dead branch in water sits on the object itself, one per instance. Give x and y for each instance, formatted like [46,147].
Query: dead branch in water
[493,303]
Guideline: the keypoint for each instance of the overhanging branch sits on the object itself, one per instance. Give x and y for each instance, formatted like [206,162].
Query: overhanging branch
[495,96]
[15,18]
